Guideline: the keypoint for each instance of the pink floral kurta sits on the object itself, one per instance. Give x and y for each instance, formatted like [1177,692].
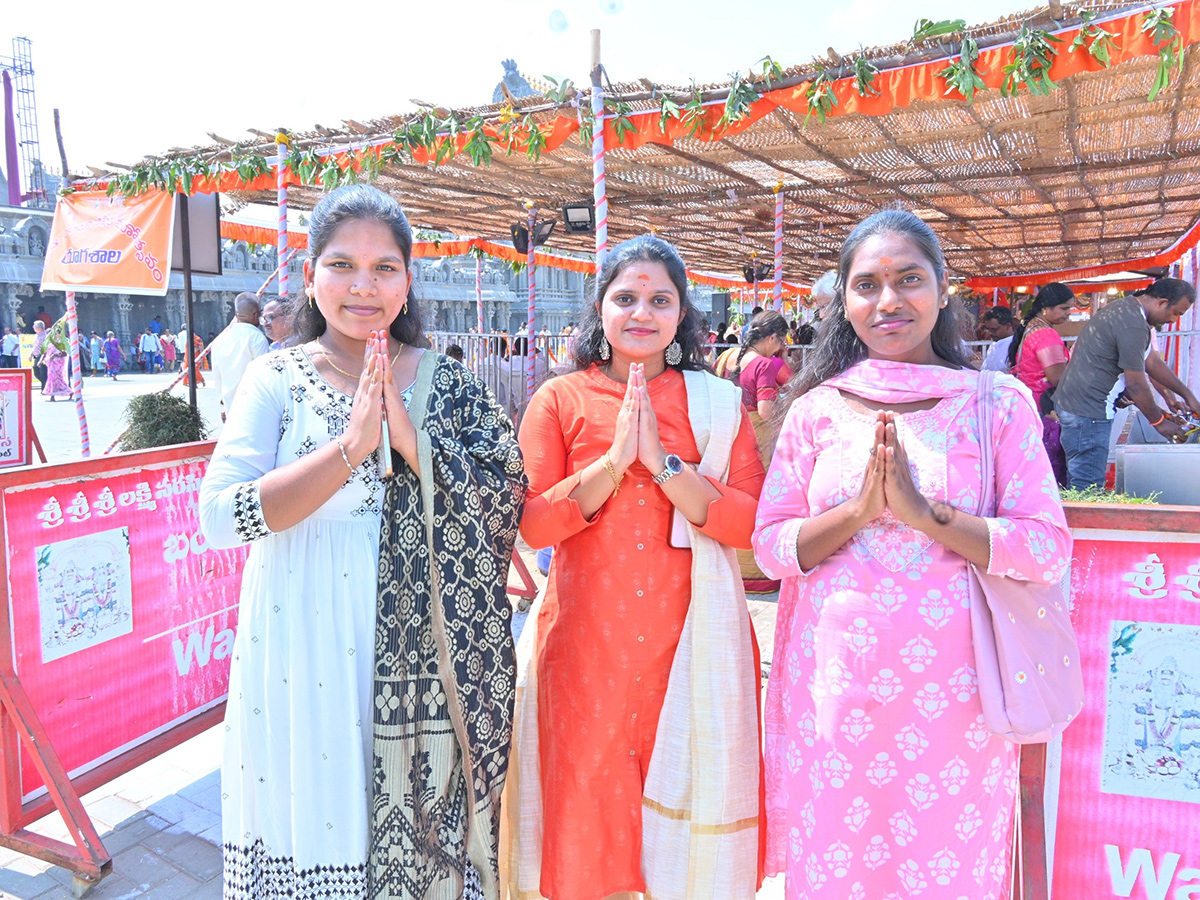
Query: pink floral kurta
[882,781]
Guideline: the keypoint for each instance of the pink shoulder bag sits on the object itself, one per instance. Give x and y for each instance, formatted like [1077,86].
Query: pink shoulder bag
[1026,656]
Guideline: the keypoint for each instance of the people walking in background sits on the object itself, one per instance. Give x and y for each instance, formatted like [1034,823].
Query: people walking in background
[455,352]
[277,324]
[10,350]
[167,340]
[1116,341]
[39,352]
[614,487]
[232,351]
[55,361]
[875,744]
[96,348]
[114,356]
[148,347]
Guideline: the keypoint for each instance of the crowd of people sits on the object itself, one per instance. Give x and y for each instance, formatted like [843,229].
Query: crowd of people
[380,716]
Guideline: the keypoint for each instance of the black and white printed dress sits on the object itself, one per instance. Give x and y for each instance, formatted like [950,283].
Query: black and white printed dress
[296,772]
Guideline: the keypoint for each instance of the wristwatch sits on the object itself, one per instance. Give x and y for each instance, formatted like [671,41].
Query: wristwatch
[674,467]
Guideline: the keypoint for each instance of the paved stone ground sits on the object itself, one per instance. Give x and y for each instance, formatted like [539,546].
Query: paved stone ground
[161,822]
[104,401]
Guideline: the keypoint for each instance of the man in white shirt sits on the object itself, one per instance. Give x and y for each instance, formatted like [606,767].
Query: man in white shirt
[10,350]
[148,347]
[997,325]
[233,349]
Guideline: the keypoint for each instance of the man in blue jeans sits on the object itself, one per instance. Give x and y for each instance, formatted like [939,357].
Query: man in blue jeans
[1117,341]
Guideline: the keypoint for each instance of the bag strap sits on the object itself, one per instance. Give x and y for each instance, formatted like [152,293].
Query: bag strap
[987,463]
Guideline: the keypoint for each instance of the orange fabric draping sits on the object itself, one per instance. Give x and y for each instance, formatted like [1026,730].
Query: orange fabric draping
[261,234]
[1190,240]
[901,87]
[739,284]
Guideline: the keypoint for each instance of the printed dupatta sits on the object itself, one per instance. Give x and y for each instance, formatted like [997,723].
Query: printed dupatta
[444,660]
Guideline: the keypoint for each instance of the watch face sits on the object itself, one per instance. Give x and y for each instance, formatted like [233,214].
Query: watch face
[674,464]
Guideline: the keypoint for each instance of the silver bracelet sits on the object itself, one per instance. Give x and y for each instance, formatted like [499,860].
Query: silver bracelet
[345,458]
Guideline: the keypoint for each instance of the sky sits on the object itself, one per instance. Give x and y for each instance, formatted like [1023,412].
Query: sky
[136,78]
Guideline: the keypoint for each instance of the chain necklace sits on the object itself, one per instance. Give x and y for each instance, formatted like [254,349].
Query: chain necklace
[329,359]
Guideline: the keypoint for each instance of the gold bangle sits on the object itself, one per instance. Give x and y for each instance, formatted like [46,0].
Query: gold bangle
[612,473]
[345,458]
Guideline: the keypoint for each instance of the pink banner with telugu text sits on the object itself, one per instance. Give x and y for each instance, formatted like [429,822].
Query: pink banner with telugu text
[122,618]
[1129,801]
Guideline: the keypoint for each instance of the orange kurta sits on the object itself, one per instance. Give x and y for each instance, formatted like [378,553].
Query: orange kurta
[615,604]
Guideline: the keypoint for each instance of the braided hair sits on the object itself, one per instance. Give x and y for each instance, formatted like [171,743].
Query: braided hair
[768,323]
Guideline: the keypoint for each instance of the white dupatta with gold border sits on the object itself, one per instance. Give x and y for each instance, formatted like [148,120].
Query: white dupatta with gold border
[700,803]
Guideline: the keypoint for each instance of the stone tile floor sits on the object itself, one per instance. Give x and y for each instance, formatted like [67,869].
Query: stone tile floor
[161,822]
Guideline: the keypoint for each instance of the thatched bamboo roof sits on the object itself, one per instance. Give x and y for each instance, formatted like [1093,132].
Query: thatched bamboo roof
[1090,173]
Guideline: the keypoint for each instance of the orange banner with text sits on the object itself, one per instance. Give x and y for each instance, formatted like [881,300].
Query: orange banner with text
[102,244]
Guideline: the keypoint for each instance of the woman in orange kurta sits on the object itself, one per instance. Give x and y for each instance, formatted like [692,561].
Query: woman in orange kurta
[618,593]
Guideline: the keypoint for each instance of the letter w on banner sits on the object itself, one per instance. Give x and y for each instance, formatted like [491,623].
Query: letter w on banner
[102,244]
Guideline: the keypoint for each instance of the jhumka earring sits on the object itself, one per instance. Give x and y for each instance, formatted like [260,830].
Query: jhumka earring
[674,353]
[605,350]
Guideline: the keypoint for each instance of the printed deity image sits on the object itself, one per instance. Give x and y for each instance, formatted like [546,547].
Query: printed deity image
[84,592]
[1152,717]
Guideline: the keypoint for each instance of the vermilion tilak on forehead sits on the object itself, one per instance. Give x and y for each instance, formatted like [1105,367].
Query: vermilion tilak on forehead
[885,260]
[644,277]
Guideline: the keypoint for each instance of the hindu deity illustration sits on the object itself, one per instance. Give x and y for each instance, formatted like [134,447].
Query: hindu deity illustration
[84,592]
[1152,721]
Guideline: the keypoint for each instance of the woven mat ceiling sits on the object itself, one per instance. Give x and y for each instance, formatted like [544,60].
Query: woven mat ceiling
[1092,173]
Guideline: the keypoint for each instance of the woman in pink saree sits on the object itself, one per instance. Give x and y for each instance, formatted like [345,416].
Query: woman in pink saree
[881,778]
[1038,356]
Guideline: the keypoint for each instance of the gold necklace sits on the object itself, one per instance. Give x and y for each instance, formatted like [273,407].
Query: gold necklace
[329,359]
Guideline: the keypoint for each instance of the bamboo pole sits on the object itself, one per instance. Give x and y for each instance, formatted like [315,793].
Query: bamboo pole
[281,154]
[85,441]
[531,323]
[779,248]
[599,191]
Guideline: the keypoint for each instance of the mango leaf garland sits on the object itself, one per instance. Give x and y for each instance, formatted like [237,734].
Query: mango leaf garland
[622,123]
[865,73]
[1098,41]
[479,142]
[561,92]
[694,112]
[536,141]
[925,29]
[771,71]
[742,96]
[961,75]
[667,109]
[821,98]
[1033,55]
[1158,23]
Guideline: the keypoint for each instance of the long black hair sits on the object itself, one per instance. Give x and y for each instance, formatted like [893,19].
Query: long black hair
[691,334]
[345,204]
[837,347]
[1051,295]
[768,323]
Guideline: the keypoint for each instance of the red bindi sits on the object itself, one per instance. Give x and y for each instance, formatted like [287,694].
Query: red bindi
[644,277]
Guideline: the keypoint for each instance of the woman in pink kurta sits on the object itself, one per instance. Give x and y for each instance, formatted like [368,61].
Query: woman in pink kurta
[881,778]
